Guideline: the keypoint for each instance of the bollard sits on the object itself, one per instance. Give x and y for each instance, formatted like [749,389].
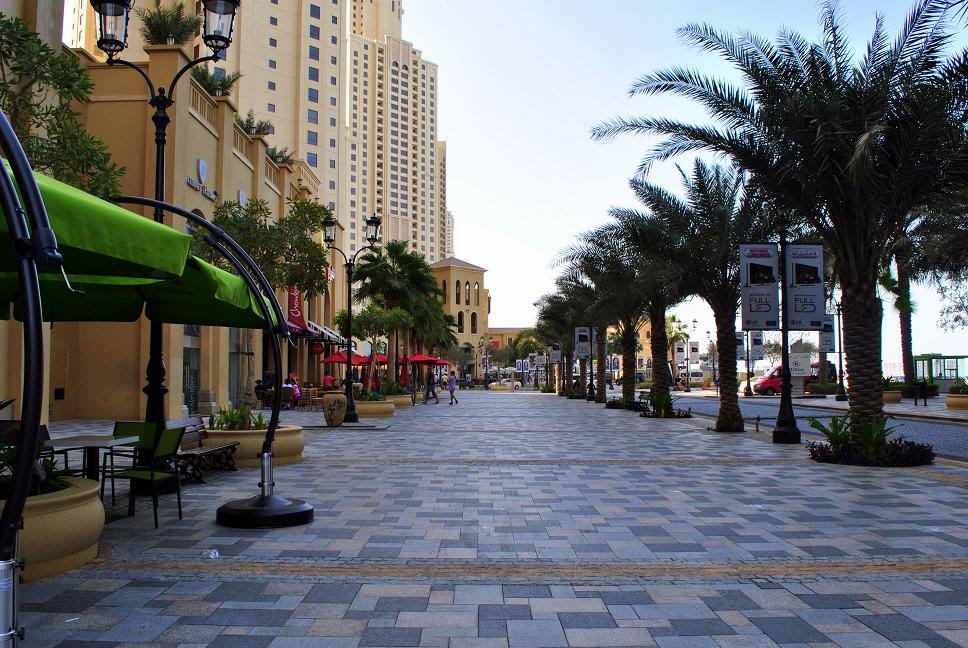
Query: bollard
[757,423]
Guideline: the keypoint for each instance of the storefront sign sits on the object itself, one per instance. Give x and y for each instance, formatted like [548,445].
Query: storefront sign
[804,273]
[828,342]
[759,273]
[295,308]
[198,184]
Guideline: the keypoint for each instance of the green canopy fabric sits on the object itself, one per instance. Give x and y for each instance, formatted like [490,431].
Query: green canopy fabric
[203,295]
[97,237]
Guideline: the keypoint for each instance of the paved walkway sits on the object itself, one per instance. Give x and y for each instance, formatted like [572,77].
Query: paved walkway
[529,520]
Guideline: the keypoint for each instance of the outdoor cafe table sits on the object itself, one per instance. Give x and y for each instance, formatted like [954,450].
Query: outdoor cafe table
[91,445]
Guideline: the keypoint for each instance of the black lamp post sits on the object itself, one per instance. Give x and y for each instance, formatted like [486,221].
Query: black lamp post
[841,392]
[480,352]
[372,235]
[748,391]
[785,430]
[712,353]
[113,17]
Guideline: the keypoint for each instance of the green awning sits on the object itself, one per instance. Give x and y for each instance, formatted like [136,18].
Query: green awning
[97,237]
[203,295]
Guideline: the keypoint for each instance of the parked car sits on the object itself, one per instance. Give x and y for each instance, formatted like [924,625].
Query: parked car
[771,383]
[696,377]
[506,382]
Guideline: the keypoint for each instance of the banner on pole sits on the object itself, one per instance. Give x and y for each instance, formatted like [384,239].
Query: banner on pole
[680,352]
[756,346]
[828,342]
[693,352]
[758,275]
[542,360]
[583,342]
[532,361]
[555,353]
[804,273]
[740,346]
[615,361]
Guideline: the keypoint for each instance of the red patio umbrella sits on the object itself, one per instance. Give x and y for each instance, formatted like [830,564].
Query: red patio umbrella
[442,362]
[340,358]
[421,358]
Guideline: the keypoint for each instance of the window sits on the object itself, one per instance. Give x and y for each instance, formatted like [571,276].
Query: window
[313,52]
[467,293]
[273,21]
[311,159]
[332,143]
[314,32]
[333,20]
[313,74]
[314,95]
[457,292]
[314,11]
[460,317]
[272,64]
[477,294]
[332,40]
[332,80]
[313,117]
[271,108]
[474,322]
[272,85]
[312,138]
[272,42]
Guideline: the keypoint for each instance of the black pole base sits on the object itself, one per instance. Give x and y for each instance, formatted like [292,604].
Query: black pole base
[841,397]
[264,512]
[783,434]
[351,417]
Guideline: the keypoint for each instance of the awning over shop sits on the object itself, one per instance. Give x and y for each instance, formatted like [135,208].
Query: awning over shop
[97,237]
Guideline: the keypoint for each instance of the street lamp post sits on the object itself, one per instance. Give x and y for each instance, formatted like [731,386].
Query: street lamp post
[841,392]
[748,391]
[712,354]
[785,430]
[372,234]
[487,363]
[113,15]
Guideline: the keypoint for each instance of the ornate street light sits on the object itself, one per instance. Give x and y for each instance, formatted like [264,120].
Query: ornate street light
[372,233]
[113,16]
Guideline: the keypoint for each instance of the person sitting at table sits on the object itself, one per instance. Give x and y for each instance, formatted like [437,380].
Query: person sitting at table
[327,381]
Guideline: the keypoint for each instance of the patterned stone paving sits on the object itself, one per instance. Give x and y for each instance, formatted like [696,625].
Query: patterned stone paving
[529,520]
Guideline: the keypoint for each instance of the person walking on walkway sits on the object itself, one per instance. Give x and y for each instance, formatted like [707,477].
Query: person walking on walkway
[431,388]
[452,387]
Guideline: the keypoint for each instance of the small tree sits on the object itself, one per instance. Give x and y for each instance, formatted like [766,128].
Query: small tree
[217,85]
[38,86]
[372,324]
[253,126]
[170,25]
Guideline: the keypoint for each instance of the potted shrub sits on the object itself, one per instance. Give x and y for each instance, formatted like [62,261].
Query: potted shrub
[240,425]
[253,126]
[957,395]
[373,405]
[396,394]
[217,85]
[168,25]
[892,390]
[63,518]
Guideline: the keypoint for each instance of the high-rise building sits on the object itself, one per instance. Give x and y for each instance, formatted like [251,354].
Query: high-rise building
[396,164]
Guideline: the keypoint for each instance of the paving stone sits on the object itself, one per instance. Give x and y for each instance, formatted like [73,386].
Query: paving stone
[540,634]
[505,612]
[788,630]
[335,593]
[586,620]
[581,638]
[390,637]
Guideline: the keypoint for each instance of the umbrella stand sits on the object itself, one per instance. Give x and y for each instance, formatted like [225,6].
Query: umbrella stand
[265,510]
[35,247]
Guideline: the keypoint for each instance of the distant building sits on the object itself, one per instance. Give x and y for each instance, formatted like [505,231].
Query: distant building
[466,298]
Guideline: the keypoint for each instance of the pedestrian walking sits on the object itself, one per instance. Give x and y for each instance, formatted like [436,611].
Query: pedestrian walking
[431,388]
[452,387]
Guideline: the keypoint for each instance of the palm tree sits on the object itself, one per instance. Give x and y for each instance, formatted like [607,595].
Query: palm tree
[396,277]
[716,214]
[852,148]
[556,320]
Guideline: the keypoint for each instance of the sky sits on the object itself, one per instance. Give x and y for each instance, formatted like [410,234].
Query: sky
[522,82]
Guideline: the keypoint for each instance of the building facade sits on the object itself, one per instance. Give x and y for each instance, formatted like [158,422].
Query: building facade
[469,302]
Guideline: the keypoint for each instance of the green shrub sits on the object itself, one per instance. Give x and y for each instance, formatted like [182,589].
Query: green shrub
[370,397]
[164,23]
[644,385]
[866,444]
[47,477]
[889,383]
[548,389]
[821,388]
[239,418]
[912,390]
[392,388]
[960,387]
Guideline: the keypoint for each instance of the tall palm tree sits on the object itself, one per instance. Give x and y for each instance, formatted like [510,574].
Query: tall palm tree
[715,215]
[852,147]
[556,318]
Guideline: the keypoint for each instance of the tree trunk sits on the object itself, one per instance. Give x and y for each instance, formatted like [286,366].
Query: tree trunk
[569,369]
[862,312]
[822,370]
[905,309]
[600,348]
[730,419]
[248,390]
[630,341]
[660,349]
[392,357]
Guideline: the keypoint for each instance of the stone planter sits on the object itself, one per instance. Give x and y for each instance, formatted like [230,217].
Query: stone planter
[400,400]
[287,447]
[334,408]
[892,396]
[956,401]
[61,529]
[374,409]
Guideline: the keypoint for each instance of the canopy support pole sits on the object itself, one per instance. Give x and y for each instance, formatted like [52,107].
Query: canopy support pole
[265,510]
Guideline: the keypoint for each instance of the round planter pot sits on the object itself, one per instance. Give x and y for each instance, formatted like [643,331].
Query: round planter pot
[400,400]
[374,409]
[956,401]
[287,447]
[61,529]
[892,396]
[500,387]
[334,408]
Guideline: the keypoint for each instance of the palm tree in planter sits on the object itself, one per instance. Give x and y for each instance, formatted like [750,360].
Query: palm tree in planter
[556,318]
[373,323]
[168,25]
[215,84]
[853,148]
[716,214]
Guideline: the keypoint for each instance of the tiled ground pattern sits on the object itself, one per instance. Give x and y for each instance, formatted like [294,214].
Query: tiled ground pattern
[547,484]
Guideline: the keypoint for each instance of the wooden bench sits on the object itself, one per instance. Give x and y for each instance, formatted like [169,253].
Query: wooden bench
[195,456]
